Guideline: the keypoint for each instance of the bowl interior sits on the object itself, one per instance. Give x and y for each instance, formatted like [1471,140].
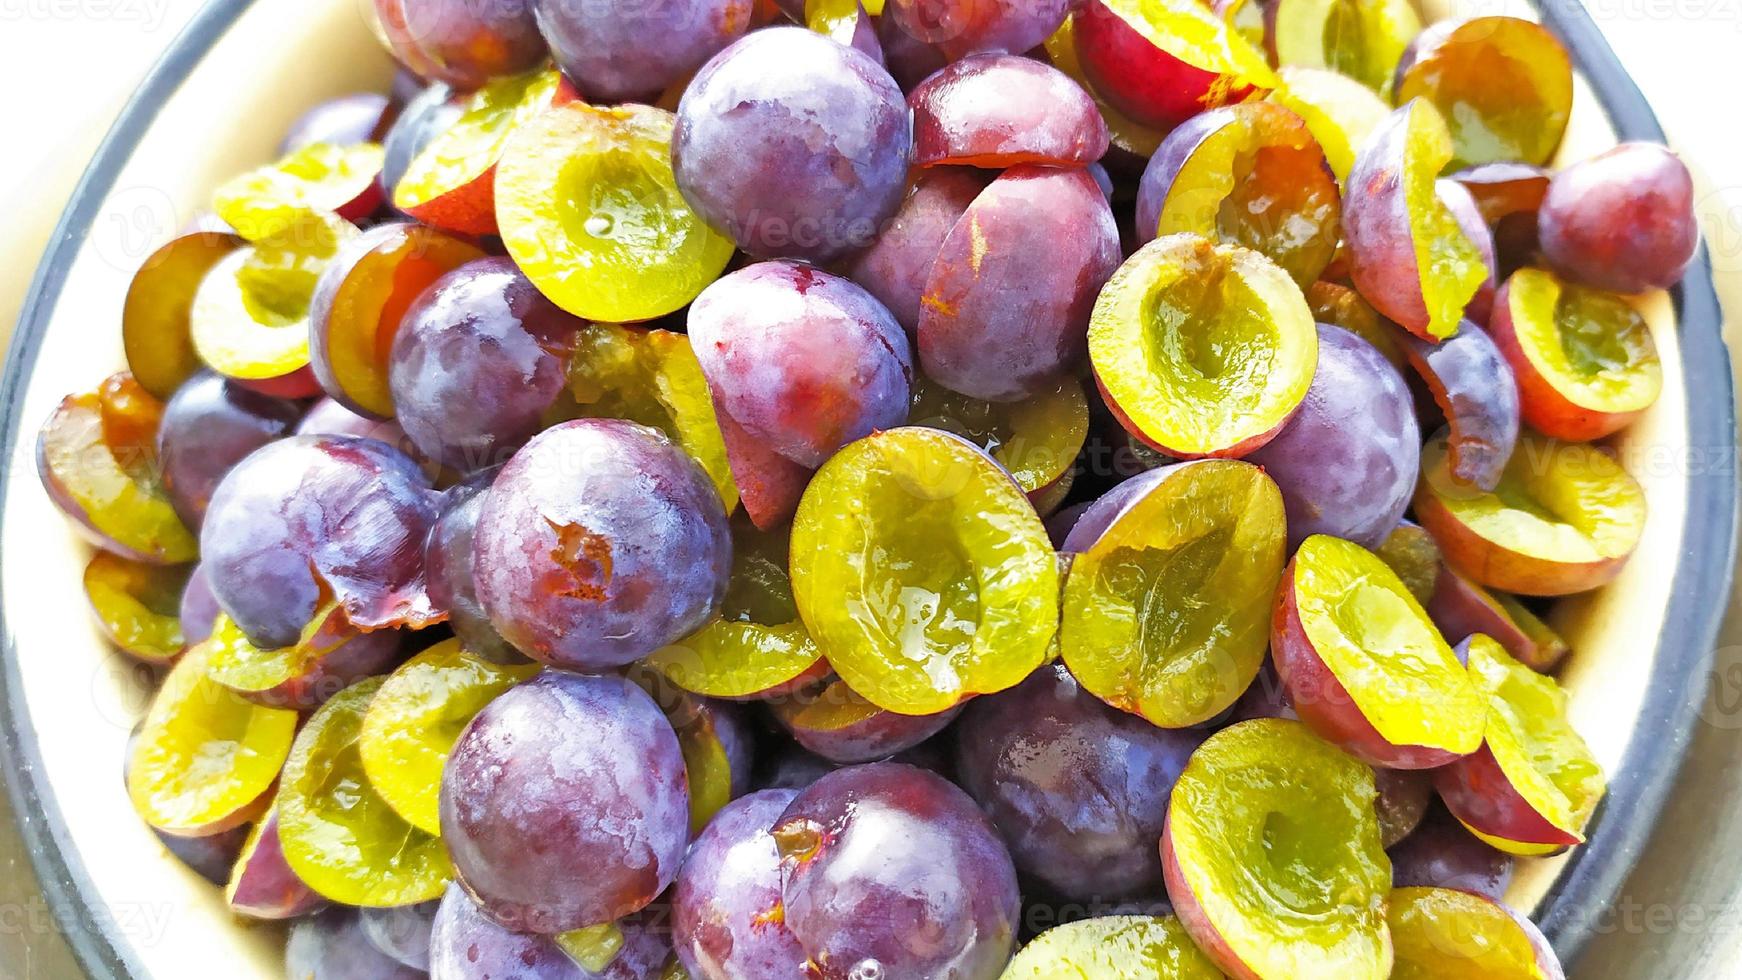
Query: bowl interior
[73,701]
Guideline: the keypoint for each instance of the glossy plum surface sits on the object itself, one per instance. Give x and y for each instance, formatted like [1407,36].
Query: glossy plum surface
[208,426]
[793,145]
[311,517]
[525,784]
[479,358]
[616,52]
[889,868]
[599,543]
[448,571]
[1077,789]
[1622,220]
[999,110]
[462,42]
[1346,463]
[804,361]
[726,909]
[896,268]
[1005,312]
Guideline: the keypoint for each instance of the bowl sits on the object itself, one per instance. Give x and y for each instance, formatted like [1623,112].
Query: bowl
[218,102]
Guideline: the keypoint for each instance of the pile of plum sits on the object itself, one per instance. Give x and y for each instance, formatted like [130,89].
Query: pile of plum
[861,490]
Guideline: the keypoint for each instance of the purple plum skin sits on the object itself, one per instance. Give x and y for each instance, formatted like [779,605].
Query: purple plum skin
[878,736]
[803,360]
[599,543]
[1622,220]
[265,887]
[479,359]
[425,117]
[725,924]
[526,794]
[402,933]
[896,268]
[889,866]
[330,945]
[793,145]
[465,42]
[354,512]
[448,570]
[1006,307]
[1079,790]
[1474,386]
[344,121]
[208,426]
[199,608]
[616,52]
[1347,461]
[466,945]
[1442,854]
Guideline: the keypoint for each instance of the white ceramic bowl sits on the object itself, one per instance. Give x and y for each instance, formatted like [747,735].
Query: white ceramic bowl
[218,104]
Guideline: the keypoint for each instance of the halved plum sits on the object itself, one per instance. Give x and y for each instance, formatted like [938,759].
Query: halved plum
[261,884]
[1339,111]
[1249,174]
[1473,385]
[1415,557]
[1008,297]
[896,267]
[922,571]
[1169,589]
[1348,460]
[204,760]
[359,300]
[1000,110]
[1563,519]
[1036,439]
[1126,134]
[842,21]
[97,457]
[1533,785]
[1461,608]
[757,647]
[651,377]
[1363,664]
[1503,190]
[1443,932]
[326,659]
[1504,85]
[414,719]
[1362,39]
[590,209]
[1272,858]
[1408,255]
[138,605]
[835,722]
[1462,204]
[338,834]
[451,183]
[1113,947]
[155,327]
[1585,360]
[769,484]
[1202,348]
[1163,61]
[320,178]
[249,318]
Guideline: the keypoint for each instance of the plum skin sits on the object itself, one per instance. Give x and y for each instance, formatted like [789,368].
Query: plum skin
[1347,461]
[599,543]
[1078,789]
[892,865]
[1622,220]
[793,145]
[208,426]
[723,905]
[519,807]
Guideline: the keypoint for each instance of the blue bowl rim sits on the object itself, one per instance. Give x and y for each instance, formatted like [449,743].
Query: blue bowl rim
[1595,872]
